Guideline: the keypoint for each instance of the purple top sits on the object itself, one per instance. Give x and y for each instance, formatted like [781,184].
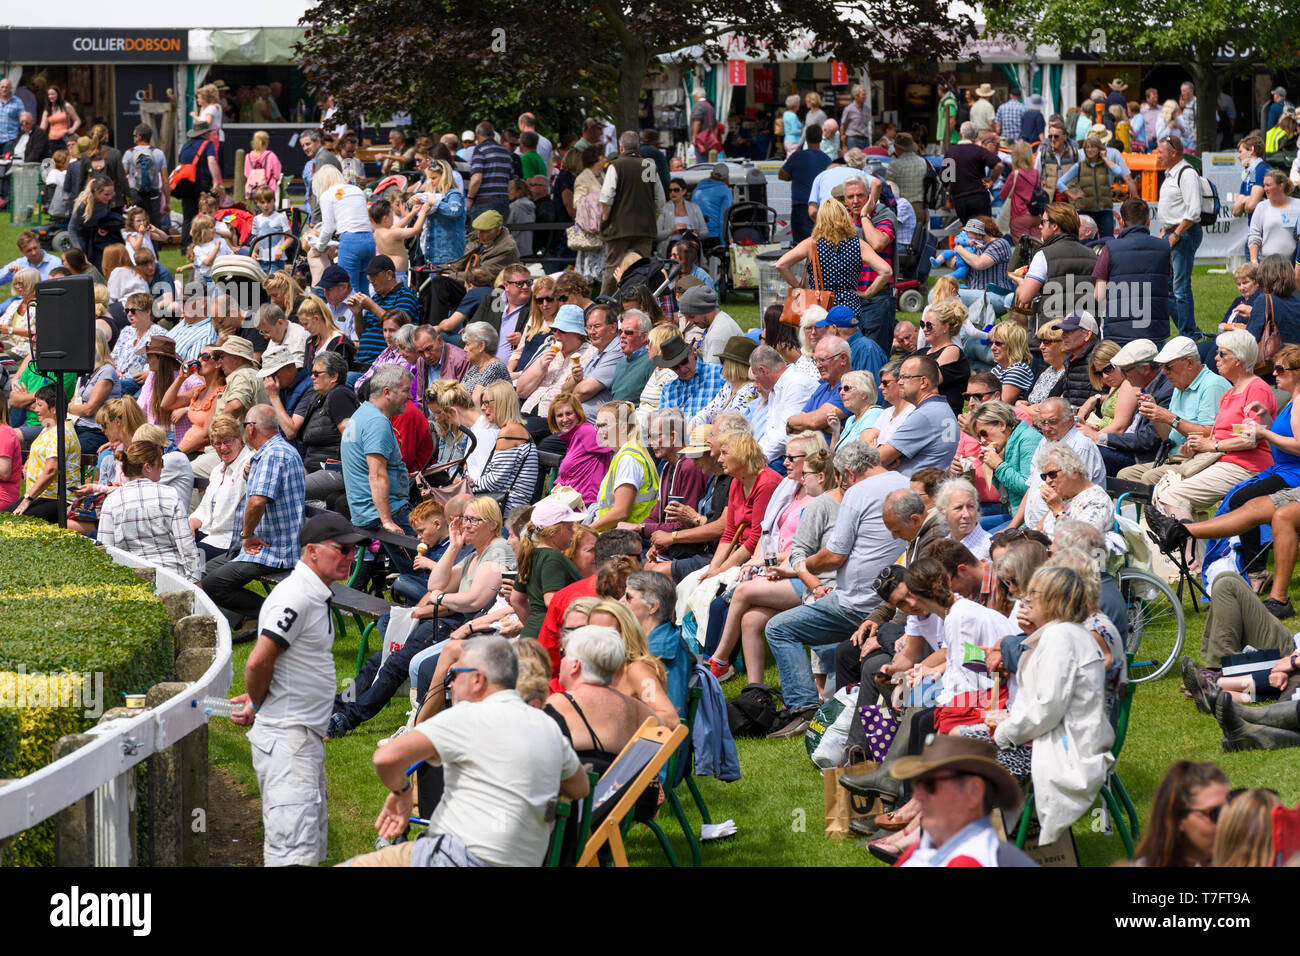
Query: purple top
[585,463]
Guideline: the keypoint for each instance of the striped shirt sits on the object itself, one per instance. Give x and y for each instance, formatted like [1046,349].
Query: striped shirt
[372,339]
[512,470]
[1017,374]
[492,160]
[192,339]
[275,473]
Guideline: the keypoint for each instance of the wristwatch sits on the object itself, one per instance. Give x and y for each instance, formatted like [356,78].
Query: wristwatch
[1175,423]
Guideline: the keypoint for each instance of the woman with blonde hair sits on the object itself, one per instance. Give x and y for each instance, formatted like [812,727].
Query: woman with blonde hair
[261,166]
[148,519]
[283,289]
[318,320]
[642,676]
[19,320]
[1051,380]
[344,212]
[630,489]
[544,568]
[836,254]
[123,279]
[1244,836]
[541,313]
[444,228]
[91,228]
[660,377]
[1018,189]
[752,486]
[940,324]
[585,461]
[511,466]
[1009,343]
[208,109]
[1112,408]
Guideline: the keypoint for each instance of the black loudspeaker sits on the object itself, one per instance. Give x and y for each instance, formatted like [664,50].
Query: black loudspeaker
[65,325]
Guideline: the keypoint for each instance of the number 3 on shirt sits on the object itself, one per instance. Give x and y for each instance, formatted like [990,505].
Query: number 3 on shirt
[286,621]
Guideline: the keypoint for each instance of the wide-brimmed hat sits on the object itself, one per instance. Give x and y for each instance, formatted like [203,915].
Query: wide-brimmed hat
[1034,102]
[1099,131]
[699,443]
[974,227]
[739,348]
[201,128]
[984,90]
[234,345]
[568,318]
[963,755]
[275,358]
[161,345]
[673,353]
[1118,85]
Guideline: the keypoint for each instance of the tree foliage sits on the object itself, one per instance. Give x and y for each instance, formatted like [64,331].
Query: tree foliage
[461,60]
[1214,39]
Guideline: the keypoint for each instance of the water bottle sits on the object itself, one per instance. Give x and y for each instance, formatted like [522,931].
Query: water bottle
[218,706]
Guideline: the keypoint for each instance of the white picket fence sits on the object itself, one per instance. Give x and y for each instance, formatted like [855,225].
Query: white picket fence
[102,767]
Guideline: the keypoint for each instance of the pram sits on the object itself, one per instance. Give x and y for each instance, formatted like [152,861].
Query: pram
[748,229]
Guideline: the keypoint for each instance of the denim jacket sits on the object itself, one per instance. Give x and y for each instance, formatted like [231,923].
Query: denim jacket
[444,230]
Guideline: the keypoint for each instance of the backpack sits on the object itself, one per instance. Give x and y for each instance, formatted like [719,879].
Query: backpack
[933,193]
[755,711]
[186,174]
[1209,199]
[146,176]
[587,212]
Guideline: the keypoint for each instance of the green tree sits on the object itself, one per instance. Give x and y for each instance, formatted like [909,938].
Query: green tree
[1199,35]
[477,58]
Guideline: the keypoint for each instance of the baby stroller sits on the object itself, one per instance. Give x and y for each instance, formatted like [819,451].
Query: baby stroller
[908,287]
[748,229]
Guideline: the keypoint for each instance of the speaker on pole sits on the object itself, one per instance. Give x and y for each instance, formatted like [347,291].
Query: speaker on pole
[66,343]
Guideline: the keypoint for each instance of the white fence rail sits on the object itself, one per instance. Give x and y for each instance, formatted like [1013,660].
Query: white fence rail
[102,767]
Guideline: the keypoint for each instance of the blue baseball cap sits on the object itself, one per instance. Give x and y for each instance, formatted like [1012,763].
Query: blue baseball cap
[332,276]
[840,317]
[569,319]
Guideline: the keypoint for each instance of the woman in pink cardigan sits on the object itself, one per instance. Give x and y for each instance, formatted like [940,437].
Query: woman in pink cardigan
[585,459]
[261,166]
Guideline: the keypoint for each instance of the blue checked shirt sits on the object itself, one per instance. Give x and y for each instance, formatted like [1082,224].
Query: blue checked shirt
[1010,114]
[276,473]
[692,396]
[10,110]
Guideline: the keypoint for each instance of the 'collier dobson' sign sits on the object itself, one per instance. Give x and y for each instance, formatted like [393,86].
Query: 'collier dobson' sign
[94,46]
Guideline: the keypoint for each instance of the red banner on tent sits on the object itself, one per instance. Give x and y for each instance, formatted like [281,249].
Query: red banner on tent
[839,73]
[764,85]
[736,72]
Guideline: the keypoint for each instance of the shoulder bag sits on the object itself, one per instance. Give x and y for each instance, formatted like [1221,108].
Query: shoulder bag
[799,299]
[1270,340]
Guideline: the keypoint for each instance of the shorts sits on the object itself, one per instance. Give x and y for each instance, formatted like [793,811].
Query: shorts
[438,849]
[1284,497]
[290,767]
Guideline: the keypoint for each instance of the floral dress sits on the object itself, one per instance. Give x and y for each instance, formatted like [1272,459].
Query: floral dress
[729,399]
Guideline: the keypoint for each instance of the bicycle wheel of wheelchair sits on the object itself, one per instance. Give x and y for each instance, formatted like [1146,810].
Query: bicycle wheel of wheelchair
[1156,624]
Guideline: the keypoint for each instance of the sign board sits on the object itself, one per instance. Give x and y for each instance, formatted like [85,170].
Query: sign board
[94,46]
[839,73]
[736,72]
[1227,237]
[764,85]
[133,85]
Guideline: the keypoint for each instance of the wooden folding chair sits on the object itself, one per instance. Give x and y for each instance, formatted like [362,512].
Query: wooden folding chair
[619,788]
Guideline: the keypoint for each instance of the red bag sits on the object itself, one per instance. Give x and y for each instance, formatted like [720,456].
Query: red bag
[188,172]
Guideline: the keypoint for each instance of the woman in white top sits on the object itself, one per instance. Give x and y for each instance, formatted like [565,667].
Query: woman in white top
[19,320]
[147,518]
[679,214]
[959,504]
[1274,222]
[208,98]
[1059,703]
[894,413]
[213,521]
[343,211]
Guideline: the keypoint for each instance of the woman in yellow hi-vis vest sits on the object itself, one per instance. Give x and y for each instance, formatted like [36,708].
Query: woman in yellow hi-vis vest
[631,486]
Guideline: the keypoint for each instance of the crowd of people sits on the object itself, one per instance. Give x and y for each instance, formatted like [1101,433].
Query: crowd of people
[574,486]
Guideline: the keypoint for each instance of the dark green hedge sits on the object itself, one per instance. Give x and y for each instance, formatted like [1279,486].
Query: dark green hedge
[65,607]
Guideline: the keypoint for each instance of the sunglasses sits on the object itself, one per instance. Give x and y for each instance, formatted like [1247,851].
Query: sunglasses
[931,783]
[792,457]
[543,298]
[979,396]
[206,356]
[346,550]
[563,298]
[1211,814]
[521,283]
[1107,370]
[137,311]
[1049,475]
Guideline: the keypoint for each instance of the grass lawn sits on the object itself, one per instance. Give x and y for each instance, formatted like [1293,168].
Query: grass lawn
[778,803]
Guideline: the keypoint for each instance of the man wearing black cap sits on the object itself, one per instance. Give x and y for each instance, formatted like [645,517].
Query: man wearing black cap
[290,679]
[370,310]
[335,287]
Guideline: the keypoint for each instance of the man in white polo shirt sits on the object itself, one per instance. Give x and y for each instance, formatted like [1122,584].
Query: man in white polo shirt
[291,681]
[1180,226]
[503,764]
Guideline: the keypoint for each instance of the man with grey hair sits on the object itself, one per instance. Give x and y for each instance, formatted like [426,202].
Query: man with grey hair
[1056,422]
[858,549]
[908,520]
[969,170]
[1088,231]
[834,359]
[318,157]
[272,323]
[832,179]
[635,368]
[630,198]
[374,476]
[505,763]
[268,520]
[787,392]
[856,119]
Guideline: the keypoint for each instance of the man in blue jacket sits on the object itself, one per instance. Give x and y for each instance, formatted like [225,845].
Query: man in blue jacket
[713,196]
